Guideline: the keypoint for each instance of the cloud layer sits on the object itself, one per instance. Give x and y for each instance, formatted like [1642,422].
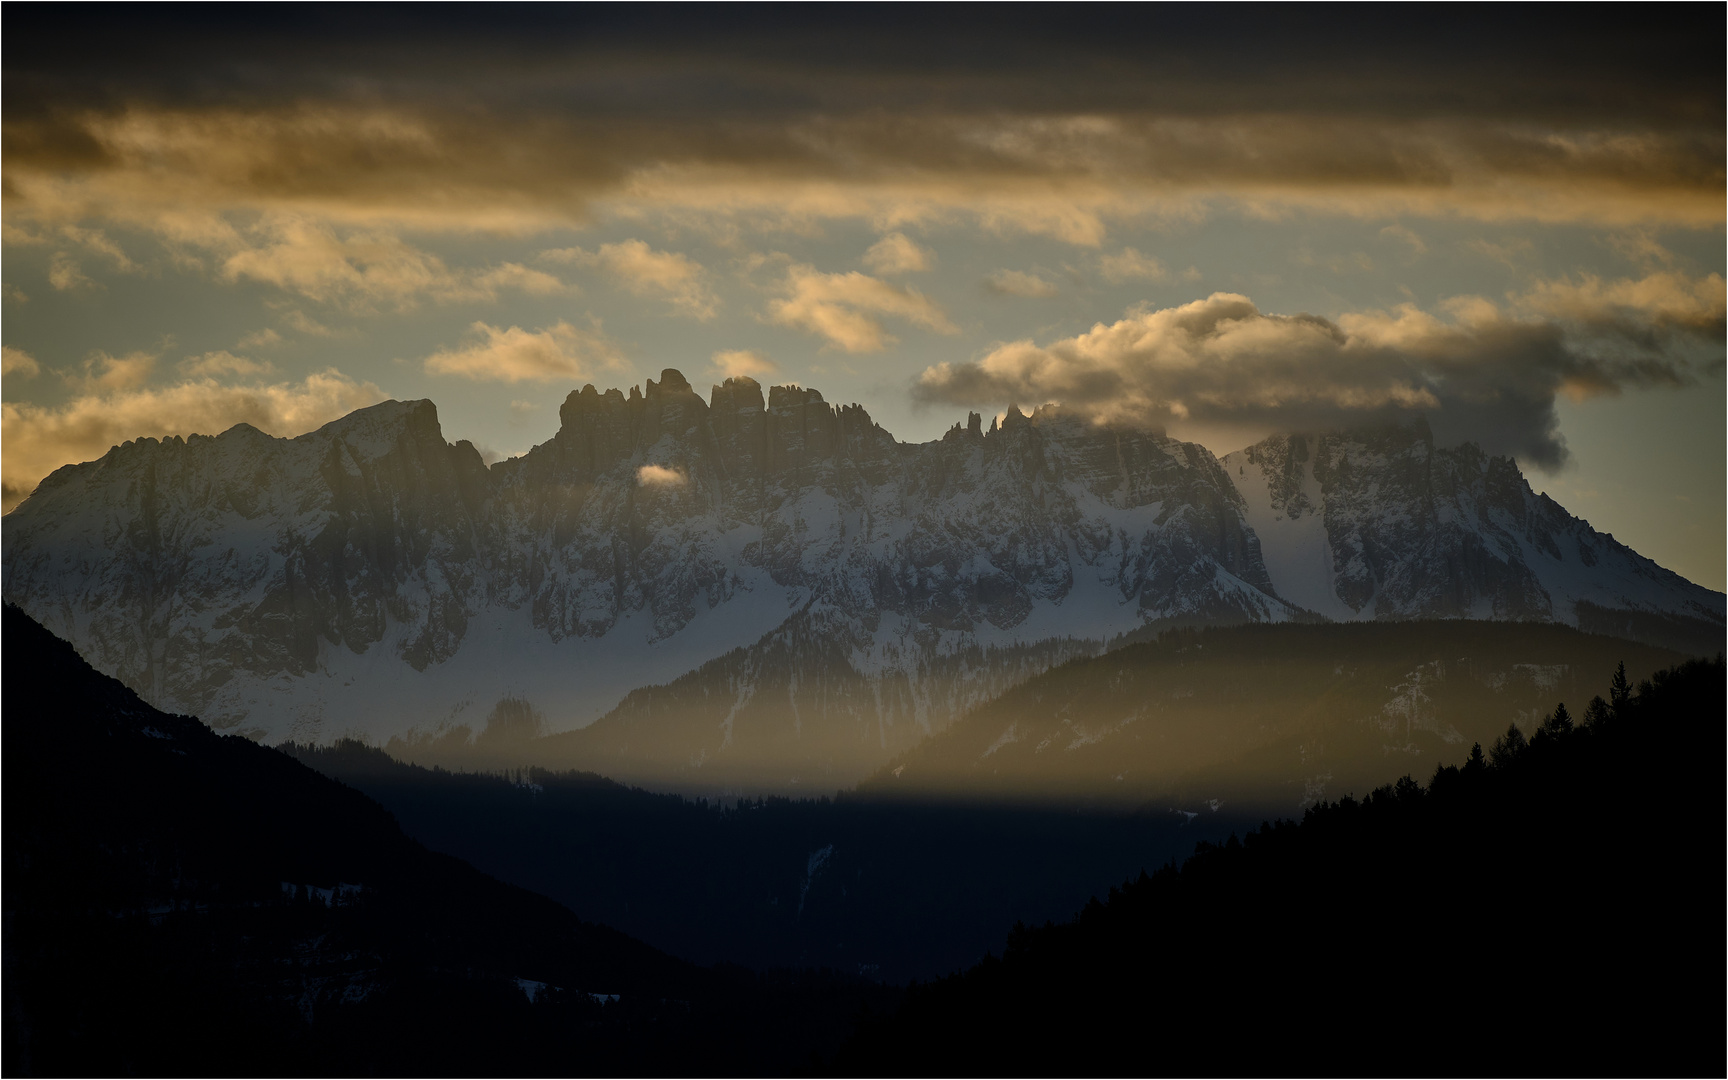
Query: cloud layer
[1056,124]
[1481,371]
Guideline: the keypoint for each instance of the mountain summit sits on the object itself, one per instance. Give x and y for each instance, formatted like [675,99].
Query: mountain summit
[828,594]
[1381,523]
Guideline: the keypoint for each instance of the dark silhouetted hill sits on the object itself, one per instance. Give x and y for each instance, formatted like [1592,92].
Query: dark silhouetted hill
[179,902]
[1553,907]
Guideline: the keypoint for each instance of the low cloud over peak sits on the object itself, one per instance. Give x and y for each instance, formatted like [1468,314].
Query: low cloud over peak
[1481,371]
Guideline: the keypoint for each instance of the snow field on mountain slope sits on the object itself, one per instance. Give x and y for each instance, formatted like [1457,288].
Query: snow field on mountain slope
[1297,553]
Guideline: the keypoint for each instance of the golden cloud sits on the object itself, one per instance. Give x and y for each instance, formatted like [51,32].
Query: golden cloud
[660,476]
[366,269]
[65,274]
[1129,265]
[223,362]
[559,352]
[103,372]
[40,439]
[730,362]
[845,308]
[1019,283]
[898,254]
[1661,300]
[646,272]
[19,363]
[260,339]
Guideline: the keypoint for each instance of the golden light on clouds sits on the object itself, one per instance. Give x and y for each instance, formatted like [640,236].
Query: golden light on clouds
[641,270]
[660,476]
[559,353]
[1480,365]
[847,309]
[748,362]
[1504,212]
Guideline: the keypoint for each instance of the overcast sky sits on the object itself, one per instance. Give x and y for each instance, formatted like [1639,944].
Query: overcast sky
[1221,222]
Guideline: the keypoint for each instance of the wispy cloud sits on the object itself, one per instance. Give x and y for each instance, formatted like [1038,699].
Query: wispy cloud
[1129,265]
[302,323]
[729,362]
[102,371]
[847,309]
[513,355]
[1407,236]
[897,254]
[642,271]
[260,339]
[1019,283]
[1511,253]
[222,362]
[65,274]
[18,363]
[363,270]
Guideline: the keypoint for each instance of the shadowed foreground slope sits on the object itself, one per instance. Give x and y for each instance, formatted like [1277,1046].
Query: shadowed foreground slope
[894,888]
[182,902]
[1553,909]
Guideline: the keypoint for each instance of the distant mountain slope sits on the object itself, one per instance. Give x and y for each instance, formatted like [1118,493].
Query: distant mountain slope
[792,713]
[183,902]
[1541,912]
[847,591]
[1264,719]
[1383,524]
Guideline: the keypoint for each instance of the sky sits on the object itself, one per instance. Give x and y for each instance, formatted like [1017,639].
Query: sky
[1217,221]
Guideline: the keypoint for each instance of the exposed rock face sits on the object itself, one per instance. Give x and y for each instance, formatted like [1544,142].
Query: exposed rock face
[183,565]
[1383,524]
[816,595]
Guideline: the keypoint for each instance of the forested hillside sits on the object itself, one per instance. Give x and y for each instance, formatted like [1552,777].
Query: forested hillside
[1551,907]
[887,887]
[1267,720]
[1080,777]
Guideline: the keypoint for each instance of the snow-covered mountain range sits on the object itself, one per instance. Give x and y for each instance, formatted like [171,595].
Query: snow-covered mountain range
[815,594]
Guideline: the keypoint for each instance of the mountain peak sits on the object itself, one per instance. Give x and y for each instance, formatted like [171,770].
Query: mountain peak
[419,415]
[657,531]
[672,381]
